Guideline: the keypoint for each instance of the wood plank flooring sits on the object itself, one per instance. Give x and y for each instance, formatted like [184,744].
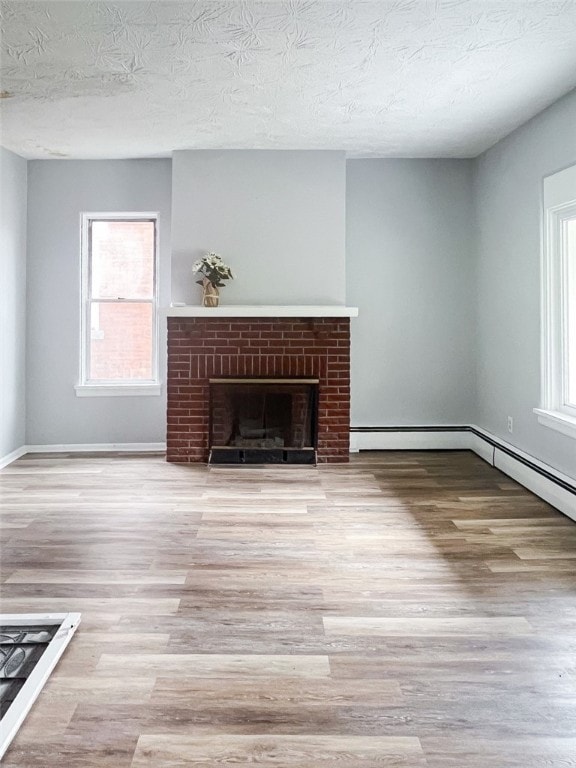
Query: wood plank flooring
[409,609]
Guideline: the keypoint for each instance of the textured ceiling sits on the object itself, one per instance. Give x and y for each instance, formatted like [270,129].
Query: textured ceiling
[395,78]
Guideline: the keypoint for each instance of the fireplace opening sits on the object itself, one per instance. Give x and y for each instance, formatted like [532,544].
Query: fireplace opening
[263,421]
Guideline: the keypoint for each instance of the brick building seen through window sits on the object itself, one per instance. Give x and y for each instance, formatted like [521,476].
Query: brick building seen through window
[120,300]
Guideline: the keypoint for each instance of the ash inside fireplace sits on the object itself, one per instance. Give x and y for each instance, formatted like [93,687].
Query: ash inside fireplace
[262,420]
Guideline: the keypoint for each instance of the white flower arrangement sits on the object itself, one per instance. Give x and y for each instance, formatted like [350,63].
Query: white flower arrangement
[213,269]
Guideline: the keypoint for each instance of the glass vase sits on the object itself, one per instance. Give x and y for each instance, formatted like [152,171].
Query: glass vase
[210,294]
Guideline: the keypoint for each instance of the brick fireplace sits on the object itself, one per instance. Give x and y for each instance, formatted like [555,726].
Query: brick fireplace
[211,345]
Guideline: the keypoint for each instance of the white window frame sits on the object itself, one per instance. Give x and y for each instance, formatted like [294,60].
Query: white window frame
[114,388]
[559,206]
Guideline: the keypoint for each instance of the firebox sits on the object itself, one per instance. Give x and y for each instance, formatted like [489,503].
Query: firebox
[263,421]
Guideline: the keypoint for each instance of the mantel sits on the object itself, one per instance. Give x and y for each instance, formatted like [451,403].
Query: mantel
[261,311]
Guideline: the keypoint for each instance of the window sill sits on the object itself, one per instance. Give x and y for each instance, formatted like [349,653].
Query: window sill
[118,390]
[557,420]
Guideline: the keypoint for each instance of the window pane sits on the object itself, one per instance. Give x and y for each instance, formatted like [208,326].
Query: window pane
[120,341]
[122,259]
[571,312]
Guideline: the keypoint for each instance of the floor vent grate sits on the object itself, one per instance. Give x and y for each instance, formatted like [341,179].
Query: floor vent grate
[30,646]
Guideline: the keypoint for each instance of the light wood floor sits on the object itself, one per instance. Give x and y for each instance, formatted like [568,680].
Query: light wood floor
[410,609]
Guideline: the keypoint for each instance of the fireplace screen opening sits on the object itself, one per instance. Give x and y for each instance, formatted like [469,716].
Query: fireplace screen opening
[263,421]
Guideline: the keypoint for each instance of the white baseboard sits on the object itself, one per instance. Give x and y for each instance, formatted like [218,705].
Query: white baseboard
[488,436]
[96,447]
[10,457]
[543,487]
[82,448]
[523,468]
[480,446]
[419,440]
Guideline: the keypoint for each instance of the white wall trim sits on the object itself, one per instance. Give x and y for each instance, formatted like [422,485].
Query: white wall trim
[85,387]
[83,448]
[522,454]
[543,487]
[557,420]
[10,457]
[450,438]
[95,447]
[559,207]
[124,390]
[481,447]
[178,309]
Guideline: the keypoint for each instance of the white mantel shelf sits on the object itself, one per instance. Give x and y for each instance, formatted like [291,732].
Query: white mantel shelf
[261,311]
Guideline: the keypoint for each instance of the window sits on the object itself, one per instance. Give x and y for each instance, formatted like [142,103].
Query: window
[119,304]
[558,407]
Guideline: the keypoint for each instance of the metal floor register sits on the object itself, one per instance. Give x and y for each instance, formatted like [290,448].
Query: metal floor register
[30,646]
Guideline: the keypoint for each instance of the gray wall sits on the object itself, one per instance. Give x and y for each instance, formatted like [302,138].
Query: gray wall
[12,302]
[508,195]
[443,259]
[58,192]
[410,249]
[277,218]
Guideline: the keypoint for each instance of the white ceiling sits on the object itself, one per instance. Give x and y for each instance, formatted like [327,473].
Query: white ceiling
[388,78]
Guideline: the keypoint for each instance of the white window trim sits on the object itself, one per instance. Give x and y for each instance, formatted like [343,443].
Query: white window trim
[557,420]
[559,204]
[85,387]
[117,390]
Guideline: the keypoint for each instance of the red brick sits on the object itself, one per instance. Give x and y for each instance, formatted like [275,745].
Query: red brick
[200,348]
